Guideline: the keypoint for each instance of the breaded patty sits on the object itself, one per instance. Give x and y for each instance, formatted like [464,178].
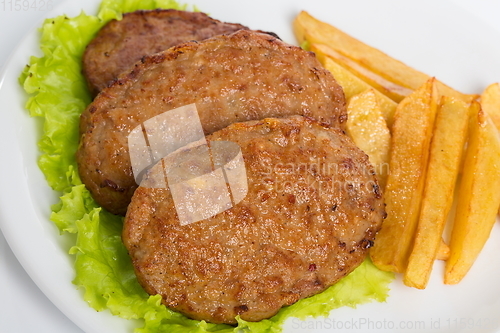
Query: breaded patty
[312,210]
[120,44]
[232,78]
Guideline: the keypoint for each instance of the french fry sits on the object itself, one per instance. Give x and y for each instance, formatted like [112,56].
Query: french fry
[308,28]
[389,89]
[411,137]
[353,85]
[359,67]
[368,129]
[450,133]
[490,103]
[478,198]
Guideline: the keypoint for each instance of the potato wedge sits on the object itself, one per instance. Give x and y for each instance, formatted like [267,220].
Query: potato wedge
[353,85]
[368,129]
[411,137]
[490,103]
[391,90]
[450,134]
[308,28]
[478,198]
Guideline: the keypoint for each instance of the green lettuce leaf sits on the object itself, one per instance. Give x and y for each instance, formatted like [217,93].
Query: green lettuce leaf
[57,95]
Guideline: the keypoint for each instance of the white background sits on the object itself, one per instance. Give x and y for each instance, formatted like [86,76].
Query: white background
[23,307]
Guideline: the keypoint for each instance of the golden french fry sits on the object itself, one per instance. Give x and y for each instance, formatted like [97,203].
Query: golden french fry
[368,129]
[490,103]
[450,133]
[411,137]
[388,88]
[443,251]
[308,28]
[478,198]
[353,85]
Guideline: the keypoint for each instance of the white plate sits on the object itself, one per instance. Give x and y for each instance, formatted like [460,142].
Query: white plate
[435,37]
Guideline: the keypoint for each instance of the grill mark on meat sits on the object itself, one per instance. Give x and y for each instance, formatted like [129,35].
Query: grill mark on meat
[111,184]
[240,309]
[376,190]
[366,243]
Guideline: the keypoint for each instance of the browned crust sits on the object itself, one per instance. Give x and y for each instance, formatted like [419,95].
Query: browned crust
[274,79]
[121,43]
[279,244]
